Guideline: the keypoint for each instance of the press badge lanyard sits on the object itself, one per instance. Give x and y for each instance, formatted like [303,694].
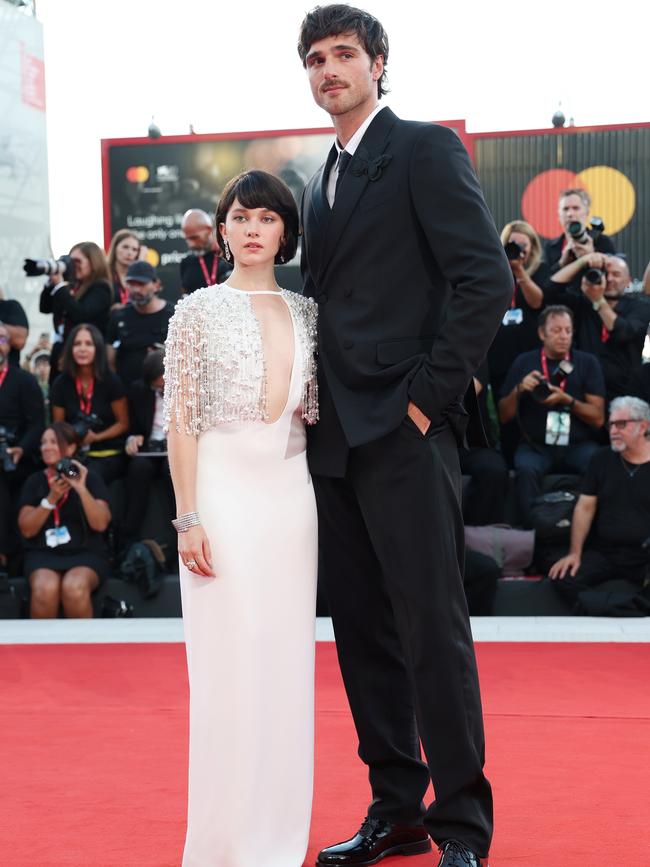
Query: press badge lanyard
[3,375]
[562,384]
[212,277]
[558,423]
[515,315]
[85,403]
[121,291]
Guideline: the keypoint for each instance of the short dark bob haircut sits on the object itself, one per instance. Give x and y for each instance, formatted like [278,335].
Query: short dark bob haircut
[256,189]
[100,364]
[324,21]
[553,310]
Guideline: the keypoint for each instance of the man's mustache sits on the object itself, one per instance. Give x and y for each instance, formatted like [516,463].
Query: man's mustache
[332,84]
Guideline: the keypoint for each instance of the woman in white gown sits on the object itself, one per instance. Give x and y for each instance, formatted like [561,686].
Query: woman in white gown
[240,384]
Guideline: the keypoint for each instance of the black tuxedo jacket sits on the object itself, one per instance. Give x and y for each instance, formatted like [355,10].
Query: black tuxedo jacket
[411,281]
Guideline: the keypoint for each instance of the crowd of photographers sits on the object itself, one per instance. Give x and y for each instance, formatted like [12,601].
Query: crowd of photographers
[85,410]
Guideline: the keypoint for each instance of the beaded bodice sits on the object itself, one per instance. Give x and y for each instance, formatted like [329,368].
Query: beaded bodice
[214,360]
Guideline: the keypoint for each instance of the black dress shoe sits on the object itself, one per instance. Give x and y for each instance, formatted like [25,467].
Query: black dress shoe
[375,840]
[456,854]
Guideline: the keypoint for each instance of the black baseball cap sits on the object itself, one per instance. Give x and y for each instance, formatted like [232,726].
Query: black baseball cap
[141,272]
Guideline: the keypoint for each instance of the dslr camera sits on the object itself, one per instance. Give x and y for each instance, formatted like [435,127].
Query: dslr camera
[47,267]
[513,250]
[66,469]
[156,446]
[594,275]
[6,441]
[542,389]
[579,233]
[85,422]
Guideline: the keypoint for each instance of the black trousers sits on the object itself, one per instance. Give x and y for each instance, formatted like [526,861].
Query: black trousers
[391,536]
[485,498]
[597,566]
[140,474]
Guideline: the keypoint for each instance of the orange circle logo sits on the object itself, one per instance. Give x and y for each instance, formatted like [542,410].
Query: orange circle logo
[613,198]
[137,174]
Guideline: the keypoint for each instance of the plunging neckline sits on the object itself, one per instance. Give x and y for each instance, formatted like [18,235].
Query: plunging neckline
[296,346]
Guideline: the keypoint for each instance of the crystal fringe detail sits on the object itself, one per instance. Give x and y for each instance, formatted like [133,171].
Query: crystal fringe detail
[214,360]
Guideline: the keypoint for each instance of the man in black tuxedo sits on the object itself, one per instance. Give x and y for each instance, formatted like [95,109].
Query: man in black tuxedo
[402,256]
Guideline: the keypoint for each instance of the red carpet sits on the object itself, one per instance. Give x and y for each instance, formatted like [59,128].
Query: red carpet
[93,753]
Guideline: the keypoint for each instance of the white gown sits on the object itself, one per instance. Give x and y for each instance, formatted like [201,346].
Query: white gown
[250,643]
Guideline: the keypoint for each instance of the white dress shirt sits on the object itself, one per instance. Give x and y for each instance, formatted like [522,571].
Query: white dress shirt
[350,147]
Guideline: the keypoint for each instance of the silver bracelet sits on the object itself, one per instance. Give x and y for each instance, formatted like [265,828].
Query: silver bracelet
[183,523]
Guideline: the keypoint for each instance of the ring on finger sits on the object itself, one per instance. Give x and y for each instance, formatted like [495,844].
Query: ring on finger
[191,564]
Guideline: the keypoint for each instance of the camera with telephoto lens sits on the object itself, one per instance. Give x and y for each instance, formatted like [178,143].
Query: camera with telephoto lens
[47,267]
[594,276]
[67,469]
[514,251]
[85,422]
[6,441]
[542,389]
[156,446]
[579,233]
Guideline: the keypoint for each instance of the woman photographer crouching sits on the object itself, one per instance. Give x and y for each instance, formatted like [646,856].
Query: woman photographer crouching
[92,399]
[63,513]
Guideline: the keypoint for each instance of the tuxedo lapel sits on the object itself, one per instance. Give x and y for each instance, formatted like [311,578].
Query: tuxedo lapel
[354,183]
[319,190]
[316,213]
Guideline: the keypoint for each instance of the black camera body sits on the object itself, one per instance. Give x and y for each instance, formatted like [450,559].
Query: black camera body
[542,390]
[513,251]
[7,439]
[86,421]
[594,276]
[47,267]
[579,233]
[67,469]
[156,446]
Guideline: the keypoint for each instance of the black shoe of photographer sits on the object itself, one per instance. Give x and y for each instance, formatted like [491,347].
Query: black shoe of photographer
[375,840]
[456,854]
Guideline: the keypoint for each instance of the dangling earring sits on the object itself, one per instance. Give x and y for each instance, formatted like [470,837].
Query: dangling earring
[282,258]
[282,251]
[226,249]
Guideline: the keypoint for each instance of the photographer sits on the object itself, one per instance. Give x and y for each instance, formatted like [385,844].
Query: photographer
[518,330]
[91,398]
[203,266]
[79,290]
[146,446]
[138,326]
[63,514]
[609,324]
[14,318]
[21,423]
[576,239]
[557,396]
[615,505]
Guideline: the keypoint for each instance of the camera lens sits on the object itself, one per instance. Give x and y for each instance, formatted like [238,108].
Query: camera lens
[594,275]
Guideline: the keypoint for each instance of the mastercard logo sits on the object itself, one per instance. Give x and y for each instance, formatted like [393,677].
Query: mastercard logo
[152,257]
[137,174]
[612,198]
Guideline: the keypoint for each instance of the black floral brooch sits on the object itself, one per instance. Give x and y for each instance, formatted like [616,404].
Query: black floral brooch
[373,167]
